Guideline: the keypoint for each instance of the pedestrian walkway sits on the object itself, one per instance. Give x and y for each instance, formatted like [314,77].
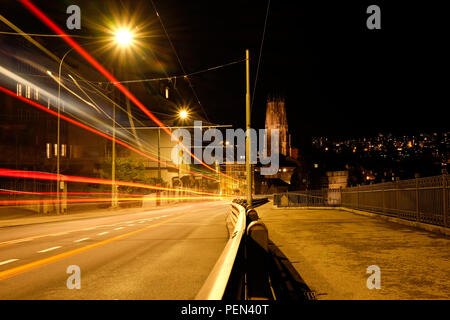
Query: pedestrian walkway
[332,249]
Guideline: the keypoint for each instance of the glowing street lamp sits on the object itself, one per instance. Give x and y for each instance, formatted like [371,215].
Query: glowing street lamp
[124,37]
[183,114]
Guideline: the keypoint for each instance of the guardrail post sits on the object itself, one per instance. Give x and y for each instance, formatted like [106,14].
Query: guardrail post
[445,198]
[258,287]
[252,215]
[417,200]
[397,192]
[357,197]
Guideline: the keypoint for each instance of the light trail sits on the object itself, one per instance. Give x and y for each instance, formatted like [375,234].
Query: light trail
[46,20]
[90,200]
[4,191]
[104,135]
[54,177]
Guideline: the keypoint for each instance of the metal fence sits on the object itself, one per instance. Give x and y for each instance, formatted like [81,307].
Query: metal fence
[308,198]
[422,199]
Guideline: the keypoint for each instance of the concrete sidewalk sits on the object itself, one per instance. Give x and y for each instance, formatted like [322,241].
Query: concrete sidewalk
[332,249]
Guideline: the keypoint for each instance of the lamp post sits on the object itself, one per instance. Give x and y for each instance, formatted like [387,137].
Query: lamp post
[58,137]
[248,148]
[123,38]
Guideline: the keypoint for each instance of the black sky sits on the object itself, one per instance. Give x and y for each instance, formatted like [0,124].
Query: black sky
[338,77]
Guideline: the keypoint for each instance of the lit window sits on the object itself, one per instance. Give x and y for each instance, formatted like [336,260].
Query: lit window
[167,92]
[36,94]
[28,92]
[55,149]
[19,89]
[48,150]
[63,150]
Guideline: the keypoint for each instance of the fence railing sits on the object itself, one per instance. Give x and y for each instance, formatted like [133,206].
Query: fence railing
[309,198]
[421,199]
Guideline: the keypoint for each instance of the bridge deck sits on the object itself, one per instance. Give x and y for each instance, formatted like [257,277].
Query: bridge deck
[332,249]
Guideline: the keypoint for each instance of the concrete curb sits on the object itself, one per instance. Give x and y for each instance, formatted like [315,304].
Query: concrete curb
[409,223]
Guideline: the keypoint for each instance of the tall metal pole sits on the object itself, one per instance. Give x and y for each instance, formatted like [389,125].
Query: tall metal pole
[58,180]
[159,155]
[247,157]
[58,139]
[113,156]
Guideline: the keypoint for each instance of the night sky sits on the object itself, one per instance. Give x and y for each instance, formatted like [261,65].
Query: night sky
[338,77]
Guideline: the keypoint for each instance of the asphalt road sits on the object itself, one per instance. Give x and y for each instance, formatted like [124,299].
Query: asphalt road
[158,254]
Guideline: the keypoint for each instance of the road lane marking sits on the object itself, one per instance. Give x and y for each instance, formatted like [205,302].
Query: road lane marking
[102,233]
[83,239]
[119,228]
[9,242]
[49,249]
[8,261]
[38,263]
[17,241]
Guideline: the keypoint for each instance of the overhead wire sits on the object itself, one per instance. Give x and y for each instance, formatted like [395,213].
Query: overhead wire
[179,60]
[260,54]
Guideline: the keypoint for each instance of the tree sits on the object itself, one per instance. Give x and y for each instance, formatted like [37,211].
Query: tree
[128,170]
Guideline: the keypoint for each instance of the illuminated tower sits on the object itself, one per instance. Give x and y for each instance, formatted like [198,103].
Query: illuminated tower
[276,119]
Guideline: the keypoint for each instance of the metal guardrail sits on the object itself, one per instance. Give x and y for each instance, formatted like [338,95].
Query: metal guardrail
[309,198]
[217,281]
[251,267]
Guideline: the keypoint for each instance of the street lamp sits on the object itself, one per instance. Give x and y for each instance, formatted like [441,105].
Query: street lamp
[58,139]
[183,114]
[124,38]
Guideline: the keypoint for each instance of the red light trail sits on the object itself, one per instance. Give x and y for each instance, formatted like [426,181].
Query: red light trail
[87,200]
[81,125]
[46,20]
[54,177]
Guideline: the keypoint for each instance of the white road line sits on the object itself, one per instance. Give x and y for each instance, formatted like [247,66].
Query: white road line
[49,249]
[17,241]
[119,228]
[8,261]
[102,233]
[79,240]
